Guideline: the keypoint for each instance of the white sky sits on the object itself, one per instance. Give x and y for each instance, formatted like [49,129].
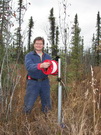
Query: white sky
[86,9]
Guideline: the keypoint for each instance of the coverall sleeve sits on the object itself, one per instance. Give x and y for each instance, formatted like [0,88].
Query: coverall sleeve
[30,66]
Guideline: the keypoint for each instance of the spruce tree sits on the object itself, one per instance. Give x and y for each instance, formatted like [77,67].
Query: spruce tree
[31,24]
[20,46]
[54,34]
[76,49]
[98,39]
[57,40]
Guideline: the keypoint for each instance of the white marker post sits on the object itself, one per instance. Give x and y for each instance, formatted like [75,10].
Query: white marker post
[59,92]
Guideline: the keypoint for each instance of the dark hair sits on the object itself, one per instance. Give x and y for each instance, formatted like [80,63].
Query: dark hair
[39,38]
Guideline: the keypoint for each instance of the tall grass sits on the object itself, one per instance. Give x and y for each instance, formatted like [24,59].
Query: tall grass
[79,115]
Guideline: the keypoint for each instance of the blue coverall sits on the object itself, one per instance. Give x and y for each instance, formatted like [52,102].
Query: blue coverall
[36,88]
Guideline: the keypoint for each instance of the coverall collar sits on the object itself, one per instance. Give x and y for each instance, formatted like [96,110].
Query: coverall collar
[34,52]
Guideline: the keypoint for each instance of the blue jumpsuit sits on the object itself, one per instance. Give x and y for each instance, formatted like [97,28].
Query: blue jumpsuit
[36,88]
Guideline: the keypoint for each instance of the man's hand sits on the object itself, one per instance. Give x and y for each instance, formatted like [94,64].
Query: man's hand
[45,65]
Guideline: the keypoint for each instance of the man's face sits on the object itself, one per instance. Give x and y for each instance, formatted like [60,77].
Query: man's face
[38,46]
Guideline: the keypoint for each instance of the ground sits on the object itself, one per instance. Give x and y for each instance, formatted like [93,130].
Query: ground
[81,109]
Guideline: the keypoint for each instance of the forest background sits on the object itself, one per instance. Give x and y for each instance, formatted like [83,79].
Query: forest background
[81,73]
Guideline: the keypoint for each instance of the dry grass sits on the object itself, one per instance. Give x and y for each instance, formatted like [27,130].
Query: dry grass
[77,113]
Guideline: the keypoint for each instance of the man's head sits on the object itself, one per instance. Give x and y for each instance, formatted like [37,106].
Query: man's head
[39,38]
[39,43]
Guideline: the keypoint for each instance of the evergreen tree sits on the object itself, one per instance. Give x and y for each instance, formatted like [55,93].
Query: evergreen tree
[47,48]
[76,49]
[87,61]
[20,46]
[31,24]
[19,17]
[98,39]
[57,39]
[54,33]
[15,46]
[82,50]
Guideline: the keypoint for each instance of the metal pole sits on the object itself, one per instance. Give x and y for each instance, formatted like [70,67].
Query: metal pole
[59,92]
[59,68]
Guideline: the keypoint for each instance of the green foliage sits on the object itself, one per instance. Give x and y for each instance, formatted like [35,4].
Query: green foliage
[98,38]
[54,34]
[76,50]
[17,47]
[96,43]
[31,24]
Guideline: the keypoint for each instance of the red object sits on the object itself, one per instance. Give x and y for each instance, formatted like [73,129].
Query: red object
[52,69]
[29,78]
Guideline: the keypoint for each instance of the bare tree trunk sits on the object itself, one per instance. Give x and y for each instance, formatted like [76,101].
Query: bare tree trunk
[64,33]
[11,97]
[93,98]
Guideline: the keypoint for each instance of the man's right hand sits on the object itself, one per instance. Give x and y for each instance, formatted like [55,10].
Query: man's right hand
[45,65]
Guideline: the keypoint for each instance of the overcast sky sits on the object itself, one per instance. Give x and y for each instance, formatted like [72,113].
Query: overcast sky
[86,9]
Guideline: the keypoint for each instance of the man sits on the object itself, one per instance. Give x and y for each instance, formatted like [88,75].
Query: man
[37,81]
